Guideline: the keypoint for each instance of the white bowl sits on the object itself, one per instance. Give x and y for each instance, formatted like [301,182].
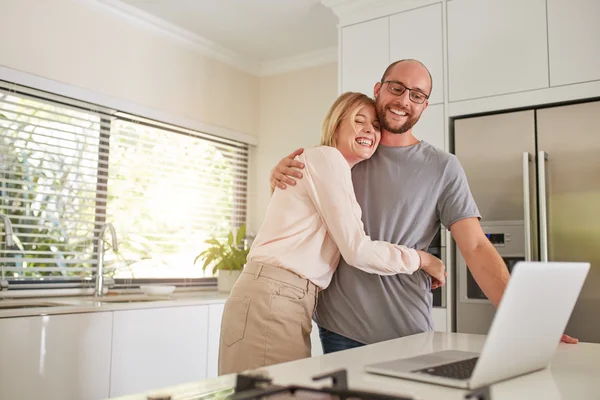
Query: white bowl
[157,290]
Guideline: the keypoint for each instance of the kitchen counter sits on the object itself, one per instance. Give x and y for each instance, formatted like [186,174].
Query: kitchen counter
[118,302]
[573,373]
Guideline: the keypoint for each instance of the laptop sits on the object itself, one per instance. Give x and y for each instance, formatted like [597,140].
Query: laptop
[523,337]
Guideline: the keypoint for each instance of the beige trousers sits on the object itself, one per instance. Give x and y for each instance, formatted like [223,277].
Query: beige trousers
[267,319]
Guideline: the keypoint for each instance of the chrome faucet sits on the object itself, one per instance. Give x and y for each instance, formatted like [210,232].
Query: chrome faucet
[7,230]
[100,244]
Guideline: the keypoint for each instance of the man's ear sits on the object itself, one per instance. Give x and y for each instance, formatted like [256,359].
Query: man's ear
[376,89]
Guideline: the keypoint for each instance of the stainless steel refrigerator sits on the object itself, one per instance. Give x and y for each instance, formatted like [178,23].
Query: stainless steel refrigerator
[535,176]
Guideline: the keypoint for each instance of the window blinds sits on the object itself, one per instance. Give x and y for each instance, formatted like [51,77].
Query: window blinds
[67,167]
[168,191]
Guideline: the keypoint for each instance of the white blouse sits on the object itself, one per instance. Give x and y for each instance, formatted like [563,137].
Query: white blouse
[309,224]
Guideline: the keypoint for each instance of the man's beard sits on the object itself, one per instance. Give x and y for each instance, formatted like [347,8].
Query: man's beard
[385,125]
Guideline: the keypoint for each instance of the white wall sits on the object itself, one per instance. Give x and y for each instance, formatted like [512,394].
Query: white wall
[84,44]
[291,109]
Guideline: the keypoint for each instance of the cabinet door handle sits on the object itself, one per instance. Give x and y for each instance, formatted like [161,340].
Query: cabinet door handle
[527,205]
[541,160]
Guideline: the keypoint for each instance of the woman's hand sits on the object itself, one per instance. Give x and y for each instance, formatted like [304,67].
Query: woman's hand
[282,173]
[434,267]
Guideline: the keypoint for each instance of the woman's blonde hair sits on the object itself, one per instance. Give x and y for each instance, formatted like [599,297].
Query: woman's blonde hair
[346,102]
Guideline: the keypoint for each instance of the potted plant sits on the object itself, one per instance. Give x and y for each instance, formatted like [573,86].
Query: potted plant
[227,258]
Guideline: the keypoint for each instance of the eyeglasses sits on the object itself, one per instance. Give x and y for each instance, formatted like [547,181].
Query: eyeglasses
[396,88]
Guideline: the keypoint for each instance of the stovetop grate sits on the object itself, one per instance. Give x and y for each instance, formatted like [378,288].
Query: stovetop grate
[253,387]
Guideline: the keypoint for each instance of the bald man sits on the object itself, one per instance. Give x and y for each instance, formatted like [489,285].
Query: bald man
[405,190]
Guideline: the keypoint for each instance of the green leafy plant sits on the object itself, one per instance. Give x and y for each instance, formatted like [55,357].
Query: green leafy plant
[230,256]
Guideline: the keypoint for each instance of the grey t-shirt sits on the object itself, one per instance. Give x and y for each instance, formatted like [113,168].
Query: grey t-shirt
[404,193]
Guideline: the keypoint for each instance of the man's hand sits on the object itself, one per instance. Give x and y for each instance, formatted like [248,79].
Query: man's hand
[436,283]
[568,339]
[282,173]
[434,267]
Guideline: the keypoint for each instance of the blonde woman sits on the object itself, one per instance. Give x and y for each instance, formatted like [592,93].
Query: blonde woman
[267,317]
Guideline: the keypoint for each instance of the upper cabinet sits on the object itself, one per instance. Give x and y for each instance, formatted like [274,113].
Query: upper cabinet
[484,55]
[365,55]
[430,127]
[574,41]
[497,47]
[417,34]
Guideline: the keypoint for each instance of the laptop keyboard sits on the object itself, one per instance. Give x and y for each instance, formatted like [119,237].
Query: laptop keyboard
[457,370]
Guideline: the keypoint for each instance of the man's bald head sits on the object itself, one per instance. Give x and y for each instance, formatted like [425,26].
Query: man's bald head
[409,63]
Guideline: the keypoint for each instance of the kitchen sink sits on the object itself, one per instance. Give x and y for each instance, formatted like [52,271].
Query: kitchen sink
[130,300]
[29,305]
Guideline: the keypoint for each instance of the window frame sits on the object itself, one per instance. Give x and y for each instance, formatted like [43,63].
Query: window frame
[240,187]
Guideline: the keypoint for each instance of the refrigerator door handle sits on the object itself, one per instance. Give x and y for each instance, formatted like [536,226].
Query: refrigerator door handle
[527,206]
[541,160]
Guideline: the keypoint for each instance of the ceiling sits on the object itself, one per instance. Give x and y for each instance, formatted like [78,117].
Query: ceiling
[261,31]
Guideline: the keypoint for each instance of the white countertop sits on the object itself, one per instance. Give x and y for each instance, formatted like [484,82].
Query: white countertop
[574,373]
[84,304]
[133,300]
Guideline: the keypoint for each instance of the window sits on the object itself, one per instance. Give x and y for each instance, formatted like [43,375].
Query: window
[167,192]
[67,168]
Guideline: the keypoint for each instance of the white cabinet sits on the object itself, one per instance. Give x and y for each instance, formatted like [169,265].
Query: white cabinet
[215,314]
[439,316]
[55,357]
[497,47]
[574,41]
[315,341]
[365,55]
[430,126]
[417,34]
[156,348]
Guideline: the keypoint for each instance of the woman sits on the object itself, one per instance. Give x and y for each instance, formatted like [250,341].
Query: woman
[267,317]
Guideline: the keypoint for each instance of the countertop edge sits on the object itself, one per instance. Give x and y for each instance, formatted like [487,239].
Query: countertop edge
[90,304]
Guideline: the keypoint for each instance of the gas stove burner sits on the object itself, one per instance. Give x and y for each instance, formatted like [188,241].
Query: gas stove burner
[249,387]
[255,387]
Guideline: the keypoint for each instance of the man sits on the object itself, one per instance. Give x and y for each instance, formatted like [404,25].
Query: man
[405,190]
